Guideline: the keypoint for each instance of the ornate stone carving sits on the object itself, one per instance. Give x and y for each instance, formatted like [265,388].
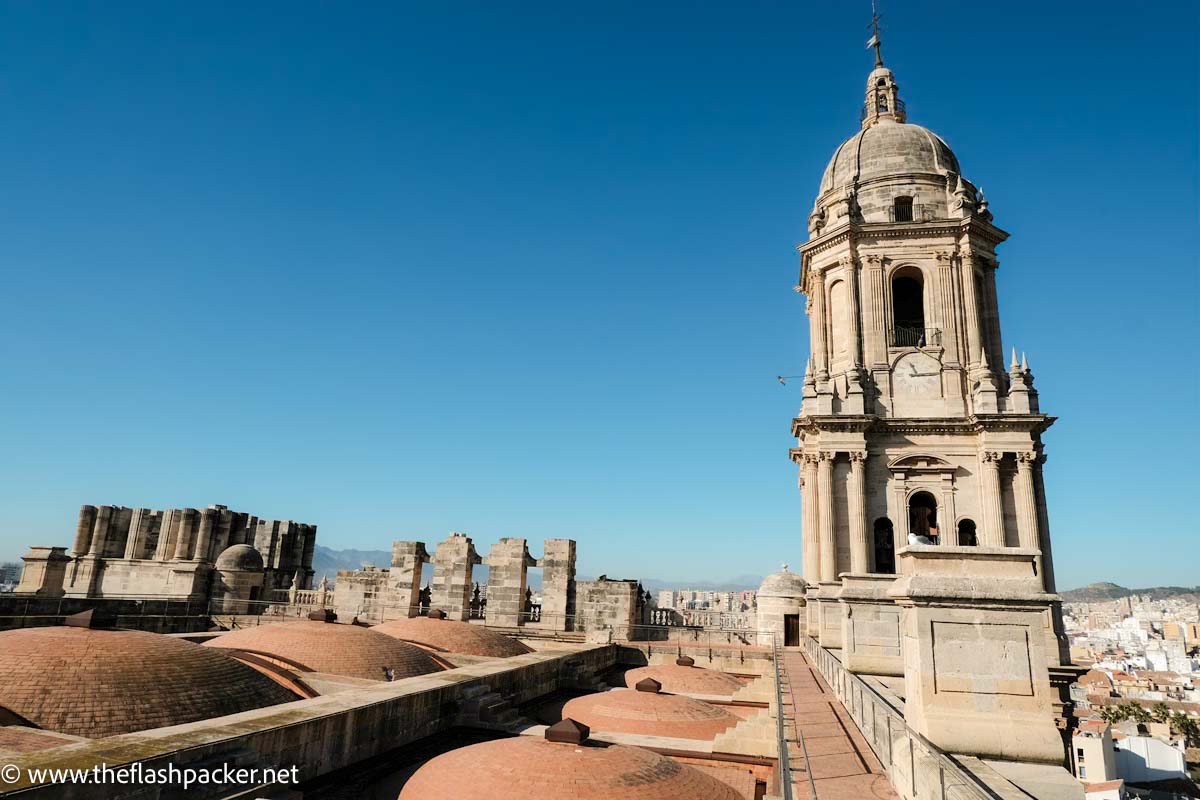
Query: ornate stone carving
[992,457]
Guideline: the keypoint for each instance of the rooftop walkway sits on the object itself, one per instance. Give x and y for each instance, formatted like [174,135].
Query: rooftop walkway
[827,754]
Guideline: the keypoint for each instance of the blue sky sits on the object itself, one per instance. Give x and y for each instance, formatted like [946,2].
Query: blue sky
[526,269]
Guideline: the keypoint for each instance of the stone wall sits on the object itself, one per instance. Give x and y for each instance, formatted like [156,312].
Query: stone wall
[604,606]
[139,552]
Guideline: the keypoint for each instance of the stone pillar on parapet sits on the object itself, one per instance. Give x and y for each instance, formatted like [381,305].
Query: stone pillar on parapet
[977,636]
[507,563]
[404,577]
[558,584]
[451,586]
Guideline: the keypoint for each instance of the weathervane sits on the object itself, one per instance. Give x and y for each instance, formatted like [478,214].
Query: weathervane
[874,41]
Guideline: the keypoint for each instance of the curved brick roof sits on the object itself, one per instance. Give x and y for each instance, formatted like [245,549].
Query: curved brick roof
[686,680]
[98,683]
[527,767]
[329,647]
[631,711]
[452,636]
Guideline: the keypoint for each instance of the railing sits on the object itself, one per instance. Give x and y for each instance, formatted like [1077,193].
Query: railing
[783,767]
[911,336]
[917,212]
[907,756]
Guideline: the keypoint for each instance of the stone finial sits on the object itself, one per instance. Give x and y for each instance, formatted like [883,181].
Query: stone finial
[1013,366]
[685,661]
[648,685]
[1024,363]
[784,565]
[568,731]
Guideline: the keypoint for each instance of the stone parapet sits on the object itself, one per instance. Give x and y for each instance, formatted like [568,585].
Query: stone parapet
[870,625]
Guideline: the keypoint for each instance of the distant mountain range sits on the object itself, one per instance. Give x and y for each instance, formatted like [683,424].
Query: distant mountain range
[327,561]
[1102,592]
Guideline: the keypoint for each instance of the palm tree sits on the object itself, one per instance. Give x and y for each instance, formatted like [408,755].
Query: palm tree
[1135,712]
[1160,713]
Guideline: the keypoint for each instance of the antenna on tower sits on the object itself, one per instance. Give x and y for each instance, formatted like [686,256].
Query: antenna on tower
[875,41]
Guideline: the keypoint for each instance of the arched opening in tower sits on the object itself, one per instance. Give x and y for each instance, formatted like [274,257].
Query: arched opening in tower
[966,533]
[885,547]
[908,310]
[922,516]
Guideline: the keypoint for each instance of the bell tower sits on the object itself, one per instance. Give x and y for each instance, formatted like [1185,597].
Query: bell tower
[911,428]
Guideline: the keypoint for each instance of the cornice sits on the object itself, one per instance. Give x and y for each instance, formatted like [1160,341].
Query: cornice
[979,423]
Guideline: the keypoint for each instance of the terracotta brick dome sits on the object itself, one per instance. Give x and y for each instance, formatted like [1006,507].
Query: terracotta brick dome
[346,650]
[686,680]
[97,683]
[531,768]
[452,636]
[631,711]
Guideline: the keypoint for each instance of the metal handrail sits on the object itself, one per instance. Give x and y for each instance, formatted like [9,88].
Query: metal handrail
[944,760]
[783,766]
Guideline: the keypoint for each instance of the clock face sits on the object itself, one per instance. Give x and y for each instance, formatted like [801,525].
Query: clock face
[917,373]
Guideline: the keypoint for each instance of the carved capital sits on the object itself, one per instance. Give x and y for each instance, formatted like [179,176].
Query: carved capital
[1026,459]
[874,261]
[811,459]
[992,457]
[943,257]
[857,456]
[848,262]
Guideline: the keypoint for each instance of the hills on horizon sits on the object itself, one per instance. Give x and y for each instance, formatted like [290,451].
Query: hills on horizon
[327,561]
[1106,591]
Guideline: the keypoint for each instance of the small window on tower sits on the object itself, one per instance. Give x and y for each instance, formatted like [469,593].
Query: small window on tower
[904,209]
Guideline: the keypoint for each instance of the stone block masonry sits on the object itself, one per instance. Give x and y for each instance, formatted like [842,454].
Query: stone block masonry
[140,552]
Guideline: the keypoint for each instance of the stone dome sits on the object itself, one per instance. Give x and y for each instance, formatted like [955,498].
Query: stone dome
[653,713]
[784,583]
[527,767]
[97,683]
[240,558]
[888,149]
[453,636]
[346,650]
[679,679]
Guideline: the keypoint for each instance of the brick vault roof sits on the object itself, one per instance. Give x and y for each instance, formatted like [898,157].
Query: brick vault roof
[453,636]
[346,650]
[528,767]
[631,711]
[686,680]
[98,683]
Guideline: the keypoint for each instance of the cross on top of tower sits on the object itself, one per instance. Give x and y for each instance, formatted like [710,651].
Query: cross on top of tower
[875,41]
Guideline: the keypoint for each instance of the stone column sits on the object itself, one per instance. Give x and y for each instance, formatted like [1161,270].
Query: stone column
[992,318]
[186,541]
[875,337]
[168,528]
[451,587]
[948,514]
[860,559]
[404,577]
[208,521]
[992,533]
[820,346]
[83,530]
[825,504]
[1043,516]
[1027,516]
[508,563]
[850,268]
[558,584]
[971,303]
[139,530]
[945,282]
[104,515]
[812,522]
